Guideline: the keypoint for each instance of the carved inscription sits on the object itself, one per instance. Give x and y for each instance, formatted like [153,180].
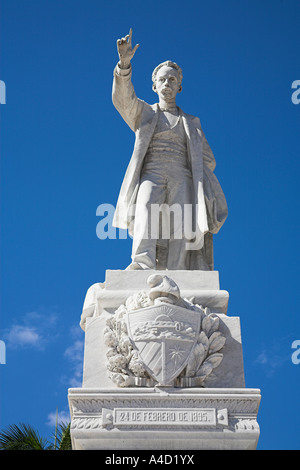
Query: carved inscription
[169,416]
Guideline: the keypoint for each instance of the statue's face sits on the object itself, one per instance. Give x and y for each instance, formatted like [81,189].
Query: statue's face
[167,83]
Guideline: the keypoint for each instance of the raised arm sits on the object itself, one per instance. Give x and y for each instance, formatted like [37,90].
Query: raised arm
[123,94]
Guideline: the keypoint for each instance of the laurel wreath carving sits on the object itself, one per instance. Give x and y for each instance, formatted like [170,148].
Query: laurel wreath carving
[126,369]
[206,354]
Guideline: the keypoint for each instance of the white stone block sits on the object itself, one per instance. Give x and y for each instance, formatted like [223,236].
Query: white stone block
[230,373]
[167,419]
[222,414]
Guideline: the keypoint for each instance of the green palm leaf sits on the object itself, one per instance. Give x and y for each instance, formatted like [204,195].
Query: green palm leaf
[63,438]
[22,437]
[25,437]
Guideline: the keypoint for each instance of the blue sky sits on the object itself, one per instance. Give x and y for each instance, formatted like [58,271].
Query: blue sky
[64,151]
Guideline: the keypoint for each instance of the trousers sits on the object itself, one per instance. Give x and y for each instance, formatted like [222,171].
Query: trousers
[166,182]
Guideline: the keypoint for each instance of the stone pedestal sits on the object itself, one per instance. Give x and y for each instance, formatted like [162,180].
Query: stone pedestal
[164,419]
[134,410]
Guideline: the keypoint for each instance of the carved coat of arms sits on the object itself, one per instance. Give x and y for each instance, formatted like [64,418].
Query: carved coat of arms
[158,338]
[164,336]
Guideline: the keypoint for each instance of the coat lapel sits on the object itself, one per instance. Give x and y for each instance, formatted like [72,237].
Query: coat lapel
[130,185]
[195,155]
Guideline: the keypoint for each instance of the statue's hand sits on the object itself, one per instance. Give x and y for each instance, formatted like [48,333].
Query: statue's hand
[125,50]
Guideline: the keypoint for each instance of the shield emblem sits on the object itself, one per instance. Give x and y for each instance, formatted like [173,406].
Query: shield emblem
[164,336]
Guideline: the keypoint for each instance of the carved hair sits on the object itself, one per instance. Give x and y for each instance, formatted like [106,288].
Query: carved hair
[167,63]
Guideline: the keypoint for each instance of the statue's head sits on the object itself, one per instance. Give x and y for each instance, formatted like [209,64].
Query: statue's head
[167,79]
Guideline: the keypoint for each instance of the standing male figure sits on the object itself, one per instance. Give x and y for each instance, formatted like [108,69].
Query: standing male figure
[171,165]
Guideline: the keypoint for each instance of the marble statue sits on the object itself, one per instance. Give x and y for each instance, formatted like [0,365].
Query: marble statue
[163,362]
[170,173]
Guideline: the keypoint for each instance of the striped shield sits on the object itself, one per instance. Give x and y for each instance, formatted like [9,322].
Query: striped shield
[164,336]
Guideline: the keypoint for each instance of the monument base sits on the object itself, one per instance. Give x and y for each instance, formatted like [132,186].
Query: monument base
[163,418]
[143,405]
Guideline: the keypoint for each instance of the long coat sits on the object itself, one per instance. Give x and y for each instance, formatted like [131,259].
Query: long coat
[209,199]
